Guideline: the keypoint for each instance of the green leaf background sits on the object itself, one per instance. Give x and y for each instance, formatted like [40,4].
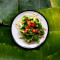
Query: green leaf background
[50,50]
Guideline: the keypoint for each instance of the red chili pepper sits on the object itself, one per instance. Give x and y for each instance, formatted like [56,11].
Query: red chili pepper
[29,22]
[34,30]
[27,27]
[26,30]
[33,25]
[29,19]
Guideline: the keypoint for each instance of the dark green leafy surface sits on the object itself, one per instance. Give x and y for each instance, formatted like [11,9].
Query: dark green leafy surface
[33,4]
[9,8]
[8,11]
[5,35]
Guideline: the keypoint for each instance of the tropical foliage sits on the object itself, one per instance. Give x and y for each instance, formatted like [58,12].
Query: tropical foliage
[50,50]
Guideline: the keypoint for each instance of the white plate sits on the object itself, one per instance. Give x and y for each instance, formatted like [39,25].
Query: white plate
[16,34]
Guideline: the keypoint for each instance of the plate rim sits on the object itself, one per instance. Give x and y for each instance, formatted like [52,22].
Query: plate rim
[39,44]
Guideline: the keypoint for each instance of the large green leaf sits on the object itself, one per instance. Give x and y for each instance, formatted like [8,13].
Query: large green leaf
[52,16]
[52,44]
[8,11]
[55,3]
[5,35]
[55,56]
[33,4]
[48,51]
[9,8]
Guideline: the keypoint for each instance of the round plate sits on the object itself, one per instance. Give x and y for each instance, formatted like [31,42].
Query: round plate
[16,35]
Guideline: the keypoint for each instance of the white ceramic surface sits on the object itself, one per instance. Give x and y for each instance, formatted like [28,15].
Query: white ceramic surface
[16,34]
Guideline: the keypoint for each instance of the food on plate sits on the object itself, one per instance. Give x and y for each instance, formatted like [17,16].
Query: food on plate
[31,28]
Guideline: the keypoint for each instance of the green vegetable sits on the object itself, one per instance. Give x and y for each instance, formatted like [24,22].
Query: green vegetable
[22,28]
[32,21]
[30,32]
[39,25]
[27,37]
[36,37]
[42,32]
[25,17]
[31,18]
[31,28]
[36,20]
[38,41]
